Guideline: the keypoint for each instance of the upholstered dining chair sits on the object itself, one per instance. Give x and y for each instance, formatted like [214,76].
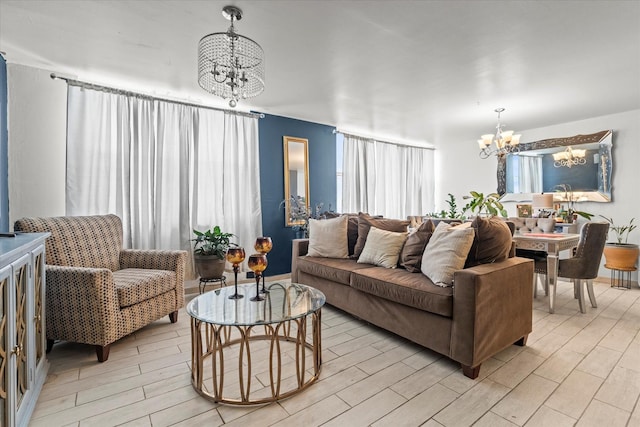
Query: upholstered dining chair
[96,291]
[584,265]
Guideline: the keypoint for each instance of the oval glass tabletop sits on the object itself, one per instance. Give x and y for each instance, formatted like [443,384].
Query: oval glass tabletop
[284,301]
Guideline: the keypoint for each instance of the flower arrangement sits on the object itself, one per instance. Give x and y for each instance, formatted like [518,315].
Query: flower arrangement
[300,213]
[571,198]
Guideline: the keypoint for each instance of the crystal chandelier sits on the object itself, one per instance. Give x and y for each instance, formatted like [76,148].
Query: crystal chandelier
[569,158]
[230,65]
[504,141]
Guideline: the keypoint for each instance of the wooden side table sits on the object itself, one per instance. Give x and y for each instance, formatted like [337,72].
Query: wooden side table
[621,278]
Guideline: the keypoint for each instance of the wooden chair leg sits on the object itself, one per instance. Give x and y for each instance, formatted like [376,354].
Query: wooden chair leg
[470,372]
[592,296]
[577,286]
[50,345]
[102,351]
[173,317]
[535,285]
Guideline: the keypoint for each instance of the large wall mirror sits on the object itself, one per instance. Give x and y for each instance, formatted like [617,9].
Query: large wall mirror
[296,180]
[582,162]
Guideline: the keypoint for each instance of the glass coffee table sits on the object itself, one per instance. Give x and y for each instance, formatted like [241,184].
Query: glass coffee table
[267,341]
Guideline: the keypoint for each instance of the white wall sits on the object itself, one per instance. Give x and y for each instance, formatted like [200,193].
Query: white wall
[37,142]
[461,171]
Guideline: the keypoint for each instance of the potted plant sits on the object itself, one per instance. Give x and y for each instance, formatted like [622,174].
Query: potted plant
[487,205]
[209,251]
[621,255]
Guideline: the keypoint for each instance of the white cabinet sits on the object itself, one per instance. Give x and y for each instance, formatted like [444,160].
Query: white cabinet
[23,362]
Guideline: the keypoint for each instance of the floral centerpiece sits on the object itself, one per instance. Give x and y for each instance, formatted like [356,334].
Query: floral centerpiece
[300,213]
[571,197]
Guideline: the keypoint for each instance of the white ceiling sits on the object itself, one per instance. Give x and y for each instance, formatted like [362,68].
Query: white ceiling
[423,71]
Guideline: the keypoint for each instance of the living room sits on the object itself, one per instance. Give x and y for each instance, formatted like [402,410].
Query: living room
[597,88]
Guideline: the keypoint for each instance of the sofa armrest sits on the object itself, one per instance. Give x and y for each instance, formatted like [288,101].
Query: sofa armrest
[81,304]
[300,247]
[492,309]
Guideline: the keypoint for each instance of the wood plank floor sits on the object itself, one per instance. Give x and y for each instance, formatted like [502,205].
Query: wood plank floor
[577,369]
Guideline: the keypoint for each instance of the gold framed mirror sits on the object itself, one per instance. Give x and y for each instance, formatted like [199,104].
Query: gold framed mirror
[296,180]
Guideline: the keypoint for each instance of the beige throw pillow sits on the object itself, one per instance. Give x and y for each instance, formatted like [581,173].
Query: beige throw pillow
[328,238]
[382,248]
[366,221]
[446,252]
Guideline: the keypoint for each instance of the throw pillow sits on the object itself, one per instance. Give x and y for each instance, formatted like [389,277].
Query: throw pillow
[492,241]
[328,238]
[352,232]
[411,254]
[382,248]
[366,221]
[446,252]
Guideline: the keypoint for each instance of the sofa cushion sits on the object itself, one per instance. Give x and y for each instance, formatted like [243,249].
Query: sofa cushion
[446,252]
[382,248]
[411,254]
[492,241]
[135,285]
[366,221]
[403,287]
[334,269]
[328,238]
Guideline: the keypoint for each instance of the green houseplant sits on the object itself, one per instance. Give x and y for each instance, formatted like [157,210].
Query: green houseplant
[621,255]
[487,205]
[209,251]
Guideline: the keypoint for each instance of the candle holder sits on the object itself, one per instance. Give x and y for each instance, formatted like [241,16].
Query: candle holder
[263,245]
[257,263]
[235,256]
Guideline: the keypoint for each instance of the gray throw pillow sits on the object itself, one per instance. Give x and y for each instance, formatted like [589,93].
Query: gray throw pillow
[411,254]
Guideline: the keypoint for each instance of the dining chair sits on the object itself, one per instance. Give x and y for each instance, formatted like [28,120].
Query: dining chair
[584,265]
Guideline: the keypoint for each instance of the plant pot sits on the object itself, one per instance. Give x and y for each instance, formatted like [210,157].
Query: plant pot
[621,256]
[209,266]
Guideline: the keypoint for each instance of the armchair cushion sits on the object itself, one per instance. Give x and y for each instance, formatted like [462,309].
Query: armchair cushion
[135,285]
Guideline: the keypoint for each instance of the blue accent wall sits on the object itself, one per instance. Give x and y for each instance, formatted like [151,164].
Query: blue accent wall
[4,160]
[322,179]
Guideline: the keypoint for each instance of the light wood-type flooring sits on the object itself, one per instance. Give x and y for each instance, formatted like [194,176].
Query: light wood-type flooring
[577,369]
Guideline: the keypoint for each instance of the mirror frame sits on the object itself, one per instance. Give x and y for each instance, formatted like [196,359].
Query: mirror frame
[287,185]
[604,170]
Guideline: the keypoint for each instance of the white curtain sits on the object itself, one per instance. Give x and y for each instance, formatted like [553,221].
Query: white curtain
[386,179]
[165,168]
[530,177]
[525,174]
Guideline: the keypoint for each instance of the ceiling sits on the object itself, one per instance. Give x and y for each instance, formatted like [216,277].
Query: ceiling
[408,71]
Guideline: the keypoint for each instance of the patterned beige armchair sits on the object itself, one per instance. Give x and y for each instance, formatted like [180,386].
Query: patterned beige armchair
[97,292]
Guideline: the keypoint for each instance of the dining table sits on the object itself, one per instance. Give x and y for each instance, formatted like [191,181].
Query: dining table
[552,244]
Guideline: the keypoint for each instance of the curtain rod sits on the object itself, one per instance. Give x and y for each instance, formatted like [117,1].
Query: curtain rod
[73,82]
[381,140]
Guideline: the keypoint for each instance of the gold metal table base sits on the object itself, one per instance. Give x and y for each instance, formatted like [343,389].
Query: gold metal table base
[211,340]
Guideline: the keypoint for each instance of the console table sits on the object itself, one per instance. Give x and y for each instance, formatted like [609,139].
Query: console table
[23,362]
[552,244]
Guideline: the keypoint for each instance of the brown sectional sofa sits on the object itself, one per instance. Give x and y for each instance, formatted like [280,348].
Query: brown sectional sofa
[488,309]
